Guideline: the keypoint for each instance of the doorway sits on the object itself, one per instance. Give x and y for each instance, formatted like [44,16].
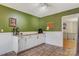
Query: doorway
[70,34]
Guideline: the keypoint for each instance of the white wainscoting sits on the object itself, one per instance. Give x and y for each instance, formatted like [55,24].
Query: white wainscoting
[54,38]
[8,42]
[5,42]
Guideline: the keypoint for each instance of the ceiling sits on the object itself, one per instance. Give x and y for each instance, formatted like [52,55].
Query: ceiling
[36,10]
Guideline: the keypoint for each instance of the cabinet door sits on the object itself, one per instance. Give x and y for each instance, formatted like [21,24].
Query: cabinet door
[21,44]
[41,38]
[31,41]
[35,40]
[28,42]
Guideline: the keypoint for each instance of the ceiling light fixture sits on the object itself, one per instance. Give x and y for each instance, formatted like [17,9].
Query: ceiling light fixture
[43,6]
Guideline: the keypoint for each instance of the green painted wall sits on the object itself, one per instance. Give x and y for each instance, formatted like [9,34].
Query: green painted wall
[28,22]
[25,21]
[56,19]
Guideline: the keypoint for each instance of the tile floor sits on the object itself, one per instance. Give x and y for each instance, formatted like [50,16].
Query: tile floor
[43,50]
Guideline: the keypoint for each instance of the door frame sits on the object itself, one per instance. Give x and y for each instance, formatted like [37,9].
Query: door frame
[72,15]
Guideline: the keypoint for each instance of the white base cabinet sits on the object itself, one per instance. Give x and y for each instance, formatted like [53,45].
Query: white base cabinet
[29,41]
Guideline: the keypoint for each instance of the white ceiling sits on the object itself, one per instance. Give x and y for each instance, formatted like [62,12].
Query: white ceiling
[36,10]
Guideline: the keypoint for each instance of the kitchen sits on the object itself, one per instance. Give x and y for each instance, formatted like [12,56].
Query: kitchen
[23,28]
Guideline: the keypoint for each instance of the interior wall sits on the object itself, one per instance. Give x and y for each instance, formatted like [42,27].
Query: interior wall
[25,22]
[6,41]
[54,38]
[28,22]
[55,35]
[56,19]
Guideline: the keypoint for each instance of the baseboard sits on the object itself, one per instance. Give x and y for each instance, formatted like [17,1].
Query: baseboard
[11,53]
[54,45]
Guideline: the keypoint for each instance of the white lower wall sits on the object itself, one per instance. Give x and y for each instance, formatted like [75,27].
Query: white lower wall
[54,38]
[5,42]
[15,44]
